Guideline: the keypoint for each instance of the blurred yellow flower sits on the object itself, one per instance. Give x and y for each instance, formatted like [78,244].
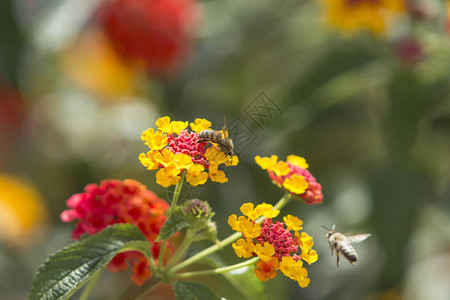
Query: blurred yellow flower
[93,64]
[353,15]
[21,210]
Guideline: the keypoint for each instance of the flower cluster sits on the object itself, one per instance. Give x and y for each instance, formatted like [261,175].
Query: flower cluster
[115,201]
[293,176]
[273,243]
[154,33]
[174,150]
[353,15]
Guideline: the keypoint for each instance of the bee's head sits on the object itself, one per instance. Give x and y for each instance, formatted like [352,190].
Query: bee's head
[330,231]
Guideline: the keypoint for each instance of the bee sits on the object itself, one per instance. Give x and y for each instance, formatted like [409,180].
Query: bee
[222,139]
[342,244]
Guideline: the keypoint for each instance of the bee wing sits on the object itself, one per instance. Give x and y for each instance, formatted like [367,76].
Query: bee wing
[358,238]
[225,128]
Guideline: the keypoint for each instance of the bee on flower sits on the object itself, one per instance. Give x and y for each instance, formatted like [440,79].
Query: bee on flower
[293,176]
[273,242]
[174,150]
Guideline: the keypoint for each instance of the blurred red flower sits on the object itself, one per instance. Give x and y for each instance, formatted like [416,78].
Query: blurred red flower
[153,33]
[115,201]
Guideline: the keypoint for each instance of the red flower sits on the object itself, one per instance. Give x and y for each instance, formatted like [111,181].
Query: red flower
[112,202]
[279,237]
[156,33]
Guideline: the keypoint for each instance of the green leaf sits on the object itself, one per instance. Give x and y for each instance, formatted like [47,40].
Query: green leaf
[193,291]
[172,225]
[70,268]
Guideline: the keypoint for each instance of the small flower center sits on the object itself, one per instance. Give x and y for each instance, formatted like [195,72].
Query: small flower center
[278,236]
[186,143]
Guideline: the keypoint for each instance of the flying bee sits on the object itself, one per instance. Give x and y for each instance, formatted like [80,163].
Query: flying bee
[221,138]
[342,244]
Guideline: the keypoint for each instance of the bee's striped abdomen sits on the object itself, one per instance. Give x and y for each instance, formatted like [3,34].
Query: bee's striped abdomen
[348,252]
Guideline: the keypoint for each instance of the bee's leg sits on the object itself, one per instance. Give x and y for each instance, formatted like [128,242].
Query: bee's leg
[337,255]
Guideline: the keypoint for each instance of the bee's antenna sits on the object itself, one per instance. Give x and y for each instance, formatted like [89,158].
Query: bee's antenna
[325,228]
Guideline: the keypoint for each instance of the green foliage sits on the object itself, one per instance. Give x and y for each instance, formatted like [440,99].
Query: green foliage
[193,291]
[172,225]
[71,267]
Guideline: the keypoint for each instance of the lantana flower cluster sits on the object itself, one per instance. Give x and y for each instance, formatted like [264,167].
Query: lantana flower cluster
[293,176]
[273,242]
[173,149]
[115,201]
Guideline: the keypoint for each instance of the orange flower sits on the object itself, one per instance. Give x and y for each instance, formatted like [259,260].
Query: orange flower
[266,270]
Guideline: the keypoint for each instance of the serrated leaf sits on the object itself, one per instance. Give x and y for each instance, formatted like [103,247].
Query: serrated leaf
[70,268]
[172,225]
[193,291]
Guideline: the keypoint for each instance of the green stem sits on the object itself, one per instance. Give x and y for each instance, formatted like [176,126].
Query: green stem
[162,253]
[173,205]
[181,250]
[216,271]
[283,201]
[177,192]
[207,251]
[90,286]
[280,204]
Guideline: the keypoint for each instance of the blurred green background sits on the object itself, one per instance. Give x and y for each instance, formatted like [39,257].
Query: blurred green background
[371,114]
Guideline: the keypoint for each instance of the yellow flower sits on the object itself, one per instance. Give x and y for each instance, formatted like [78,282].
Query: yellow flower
[165,157]
[168,176]
[281,168]
[267,210]
[353,15]
[155,140]
[298,161]
[249,229]
[233,222]
[182,161]
[293,223]
[243,248]
[309,256]
[301,276]
[215,174]
[248,210]
[266,270]
[21,210]
[164,124]
[196,176]
[267,163]
[295,184]
[306,243]
[233,161]
[200,125]
[149,160]
[265,252]
[289,266]
[245,226]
